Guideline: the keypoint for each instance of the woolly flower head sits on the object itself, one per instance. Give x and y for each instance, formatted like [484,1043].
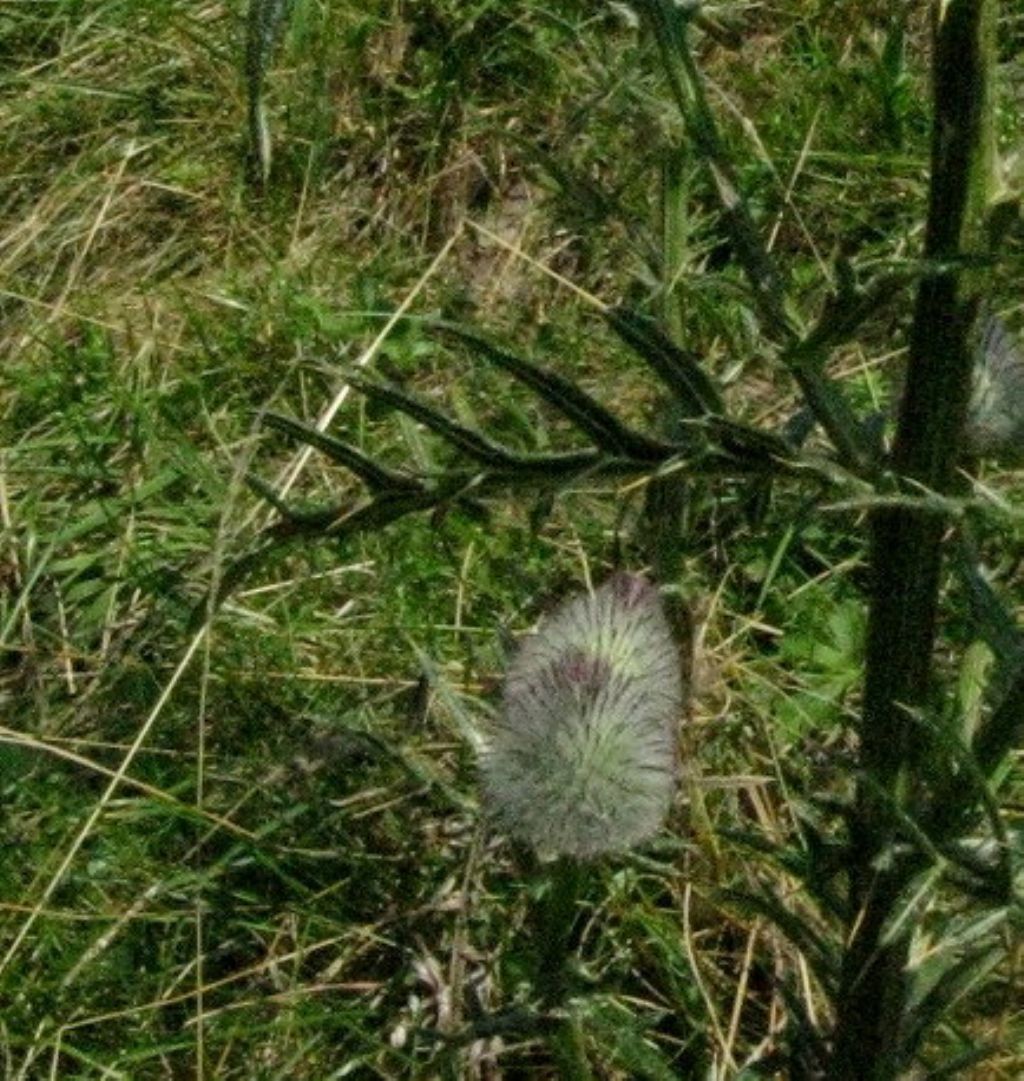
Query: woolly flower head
[582,759]
[995,417]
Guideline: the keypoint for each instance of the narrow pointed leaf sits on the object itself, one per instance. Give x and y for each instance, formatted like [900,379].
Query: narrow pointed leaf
[377,477]
[346,520]
[951,986]
[668,25]
[831,409]
[311,520]
[995,625]
[993,621]
[1003,731]
[962,789]
[676,367]
[605,429]
[470,442]
[554,466]
[745,441]
[843,315]
[506,463]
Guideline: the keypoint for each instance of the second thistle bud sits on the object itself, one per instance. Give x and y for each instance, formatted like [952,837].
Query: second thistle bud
[582,760]
[995,417]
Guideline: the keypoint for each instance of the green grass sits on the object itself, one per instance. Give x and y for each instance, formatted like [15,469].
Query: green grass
[290,878]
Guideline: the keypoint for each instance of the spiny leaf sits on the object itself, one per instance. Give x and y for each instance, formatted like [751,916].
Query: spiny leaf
[744,441]
[960,788]
[325,521]
[668,23]
[831,409]
[677,368]
[606,430]
[843,314]
[303,520]
[1004,728]
[957,979]
[466,439]
[378,512]
[993,622]
[377,477]
[471,442]
[555,468]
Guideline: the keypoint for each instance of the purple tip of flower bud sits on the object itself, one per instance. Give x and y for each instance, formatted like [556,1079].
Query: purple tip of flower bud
[582,759]
[587,673]
[632,590]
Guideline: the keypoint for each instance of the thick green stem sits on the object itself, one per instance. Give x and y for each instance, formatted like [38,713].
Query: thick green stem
[907,543]
[555,918]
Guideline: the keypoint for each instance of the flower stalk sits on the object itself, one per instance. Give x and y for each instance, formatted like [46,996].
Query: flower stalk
[555,918]
[582,762]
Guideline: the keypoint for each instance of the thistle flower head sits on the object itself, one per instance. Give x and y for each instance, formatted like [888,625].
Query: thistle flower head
[582,758]
[995,417]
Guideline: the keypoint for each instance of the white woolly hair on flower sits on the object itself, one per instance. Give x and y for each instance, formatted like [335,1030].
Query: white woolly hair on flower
[582,758]
[995,416]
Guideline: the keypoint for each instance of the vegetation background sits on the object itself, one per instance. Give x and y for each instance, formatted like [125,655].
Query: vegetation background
[289,878]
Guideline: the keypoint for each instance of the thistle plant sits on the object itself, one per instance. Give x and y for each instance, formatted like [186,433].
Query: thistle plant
[582,758]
